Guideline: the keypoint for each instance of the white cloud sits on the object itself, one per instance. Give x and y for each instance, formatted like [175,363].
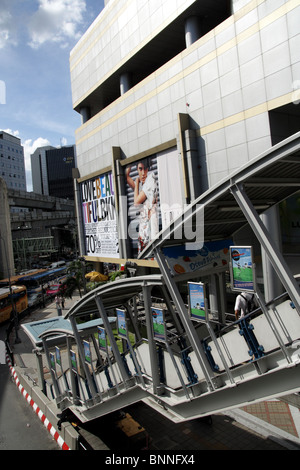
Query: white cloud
[9,131]
[7,25]
[63,141]
[56,21]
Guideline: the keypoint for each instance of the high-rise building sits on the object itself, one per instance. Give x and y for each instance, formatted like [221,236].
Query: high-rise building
[12,164]
[188,89]
[52,171]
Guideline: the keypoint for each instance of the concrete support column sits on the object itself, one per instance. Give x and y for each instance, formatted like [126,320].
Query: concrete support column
[125,83]
[81,237]
[272,284]
[7,267]
[85,114]
[192,30]
[192,163]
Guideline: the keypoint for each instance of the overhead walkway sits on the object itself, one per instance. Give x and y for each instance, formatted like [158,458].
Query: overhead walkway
[181,367]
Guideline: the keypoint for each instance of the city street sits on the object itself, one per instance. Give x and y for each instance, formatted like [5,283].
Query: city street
[20,428]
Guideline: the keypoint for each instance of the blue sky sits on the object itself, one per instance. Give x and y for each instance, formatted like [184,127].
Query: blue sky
[36,37]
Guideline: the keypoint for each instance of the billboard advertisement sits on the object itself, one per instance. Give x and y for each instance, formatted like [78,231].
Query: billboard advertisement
[102,339]
[159,331]
[154,197]
[212,256]
[99,216]
[122,325]
[197,301]
[242,268]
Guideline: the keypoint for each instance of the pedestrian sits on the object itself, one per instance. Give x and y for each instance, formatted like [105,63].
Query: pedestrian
[58,305]
[62,301]
[242,302]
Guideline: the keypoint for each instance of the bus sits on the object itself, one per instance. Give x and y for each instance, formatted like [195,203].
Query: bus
[13,280]
[36,282]
[12,296]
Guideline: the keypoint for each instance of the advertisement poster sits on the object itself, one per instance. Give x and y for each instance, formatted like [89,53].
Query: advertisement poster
[154,197]
[197,301]
[52,361]
[99,216]
[102,339]
[73,361]
[58,356]
[87,352]
[121,319]
[242,274]
[210,257]
[158,324]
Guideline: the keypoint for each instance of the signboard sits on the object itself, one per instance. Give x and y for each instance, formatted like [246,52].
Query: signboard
[154,196]
[99,216]
[58,356]
[158,324]
[212,256]
[242,268]
[197,301]
[121,321]
[102,339]
[52,361]
[87,352]
[73,361]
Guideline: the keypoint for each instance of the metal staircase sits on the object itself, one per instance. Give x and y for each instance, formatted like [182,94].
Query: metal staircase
[252,359]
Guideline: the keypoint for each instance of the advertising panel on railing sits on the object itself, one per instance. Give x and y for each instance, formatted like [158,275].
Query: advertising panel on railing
[99,216]
[87,352]
[242,268]
[121,321]
[102,339]
[73,361]
[58,356]
[159,331]
[197,301]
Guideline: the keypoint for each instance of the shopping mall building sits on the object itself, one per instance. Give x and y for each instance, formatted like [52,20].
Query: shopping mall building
[175,96]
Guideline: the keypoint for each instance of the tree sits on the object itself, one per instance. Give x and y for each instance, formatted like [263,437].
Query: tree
[77,271]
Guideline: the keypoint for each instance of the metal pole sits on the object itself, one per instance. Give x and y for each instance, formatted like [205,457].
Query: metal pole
[53,375]
[111,338]
[76,400]
[81,354]
[186,321]
[265,239]
[39,360]
[151,342]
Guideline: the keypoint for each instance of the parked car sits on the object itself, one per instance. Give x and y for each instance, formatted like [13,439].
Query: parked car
[55,289]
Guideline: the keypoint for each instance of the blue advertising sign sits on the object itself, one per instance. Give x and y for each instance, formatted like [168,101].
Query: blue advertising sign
[158,324]
[122,328]
[102,339]
[242,268]
[87,352]
[197,301]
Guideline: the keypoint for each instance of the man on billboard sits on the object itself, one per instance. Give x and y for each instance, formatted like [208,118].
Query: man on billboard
[145,196]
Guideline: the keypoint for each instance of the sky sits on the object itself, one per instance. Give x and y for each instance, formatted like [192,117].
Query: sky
[36,38]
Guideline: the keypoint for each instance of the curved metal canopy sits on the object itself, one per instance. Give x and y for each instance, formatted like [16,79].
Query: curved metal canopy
[267,180]
[113,294]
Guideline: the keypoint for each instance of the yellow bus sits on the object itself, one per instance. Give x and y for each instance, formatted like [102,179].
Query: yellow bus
[17,296]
